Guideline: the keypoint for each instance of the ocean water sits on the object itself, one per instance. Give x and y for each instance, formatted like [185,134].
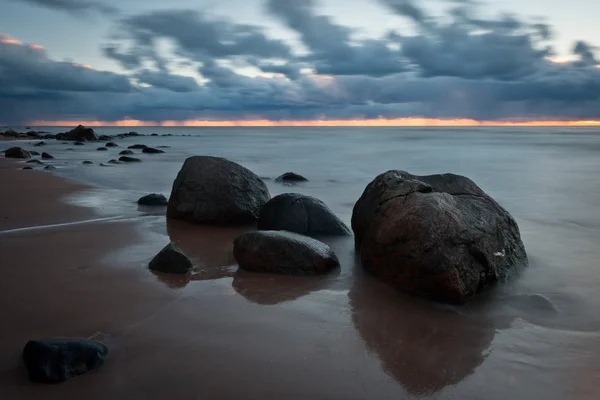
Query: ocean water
[547,178]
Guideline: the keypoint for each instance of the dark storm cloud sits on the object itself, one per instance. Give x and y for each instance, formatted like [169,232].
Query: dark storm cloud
[74,6]
[333,51]
[164,80]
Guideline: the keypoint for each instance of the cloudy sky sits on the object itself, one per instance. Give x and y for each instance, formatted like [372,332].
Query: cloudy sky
[298,60]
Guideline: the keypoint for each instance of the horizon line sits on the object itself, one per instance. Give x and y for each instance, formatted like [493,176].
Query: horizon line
[377,122]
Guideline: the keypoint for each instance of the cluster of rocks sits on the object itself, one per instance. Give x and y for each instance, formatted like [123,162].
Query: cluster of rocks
[79,133]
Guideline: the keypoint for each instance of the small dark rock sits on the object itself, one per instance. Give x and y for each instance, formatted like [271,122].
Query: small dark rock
[154,199]
[111,144]
[105,138]
[102,149]
[171,260]
[154,134]
[40,144]
[79,143]
[35,162]
[46,156]
[137,146]
[133,134]
[17,152]
[150,150]
[129,159]
[163,147]
[291,177]
[58,360]
[87,163]
[126,153]
[27,168]
[33,134]
[50,167]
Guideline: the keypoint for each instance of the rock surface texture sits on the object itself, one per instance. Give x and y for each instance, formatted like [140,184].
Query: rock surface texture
[437,236]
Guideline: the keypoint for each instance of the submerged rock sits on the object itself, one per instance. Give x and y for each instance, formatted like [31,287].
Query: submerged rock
[105,138]
[79,144]
[16,152]
[126,152]
[40,144]
[87,163]
[49,167]
[150,150]
[35,162]
[213,190]
[58,360]
[291,177]
[154,199]
[302,214]
[129,159]
[111,144]
[114,162]
[171,260]
[102,149]
[437,236]
[34,153]
[47,156]
[283,253]
[137,146]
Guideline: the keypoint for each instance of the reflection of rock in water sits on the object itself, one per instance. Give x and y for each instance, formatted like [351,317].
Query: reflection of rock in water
[424,347]
[270,289]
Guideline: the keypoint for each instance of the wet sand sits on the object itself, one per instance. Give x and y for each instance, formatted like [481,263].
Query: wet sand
[225,334]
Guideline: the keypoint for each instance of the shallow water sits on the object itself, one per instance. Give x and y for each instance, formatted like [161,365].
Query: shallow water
[491,348]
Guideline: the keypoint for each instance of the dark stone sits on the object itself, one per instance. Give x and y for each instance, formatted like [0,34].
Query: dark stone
[437,236]
[126,153]
[46,156]
[111,144]
[70,149]
[133,134]
[87,163]
[35,162]
[171,260]
[154,199]
[154,134]
[137,146]
[213,190]
[283,253]
[50,167]
[11,133]
[49,136]
[79,144]
[34,153]
[105,138]
[302,214]
[58,360]
[81,133]
[163,147]
[129,159]
[39,144]
[61,136]
[33,134]
[17,152]
[102,149]
[27,168]
[291,177]
[150,150]
[114,162]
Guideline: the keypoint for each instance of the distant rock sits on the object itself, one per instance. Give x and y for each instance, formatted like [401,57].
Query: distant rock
[102,149]
[129,159]
[27,168]
[137,146]
[291,177]
[17,152]
[87,163]
[150,150]
[79,144]
[133,134]
[171,260]
[40,144]
[105,138]
[81,133]
[50,167]
[114,162]
[283,253]
[46,156]
[163,147]
[111,144]
[70,149]
[213,190]
[34,153]
[154,199]
[35,162]
[11,133]
[49,136]
[58,360]
[126,153]
[33,134]
[302,214]
[154,134]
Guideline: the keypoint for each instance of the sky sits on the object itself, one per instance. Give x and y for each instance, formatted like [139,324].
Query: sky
[298,61]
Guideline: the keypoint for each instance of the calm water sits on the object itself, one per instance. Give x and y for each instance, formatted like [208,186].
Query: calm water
[547,178]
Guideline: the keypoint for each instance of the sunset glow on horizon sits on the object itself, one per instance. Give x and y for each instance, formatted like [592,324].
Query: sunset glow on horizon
[379,122]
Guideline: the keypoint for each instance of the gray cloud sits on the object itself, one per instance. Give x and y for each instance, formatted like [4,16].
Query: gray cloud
[75,6]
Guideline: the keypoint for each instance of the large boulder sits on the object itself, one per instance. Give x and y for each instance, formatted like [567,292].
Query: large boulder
[283,253]
[438,236]
[17,152]
[80,133]
[302,214]
[57,360]
[213,190]
[171,260]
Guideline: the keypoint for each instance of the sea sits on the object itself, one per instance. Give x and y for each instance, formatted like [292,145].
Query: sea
[498,346]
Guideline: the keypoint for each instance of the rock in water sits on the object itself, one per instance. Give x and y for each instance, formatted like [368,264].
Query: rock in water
[102,149]
[171,260]
[27,168]
[79,144]
[17,152]
[49,167]
[34,153]
[283,253]
[154,199]
[302,214]
[58,360]
[87,163]
[111,144]
[213,190]
[38,162]
[150,150]
[114,162]
[137,146]
[126,153]
[40,144]
[291,177]
[46,156]
[81,133]
[129,159]
[437,236]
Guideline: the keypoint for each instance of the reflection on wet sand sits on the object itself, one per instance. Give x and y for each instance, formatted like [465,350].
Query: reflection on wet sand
[423,346]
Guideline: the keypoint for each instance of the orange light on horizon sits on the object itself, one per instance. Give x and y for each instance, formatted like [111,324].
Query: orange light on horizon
[36,47]
[407,122]
[8,40]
